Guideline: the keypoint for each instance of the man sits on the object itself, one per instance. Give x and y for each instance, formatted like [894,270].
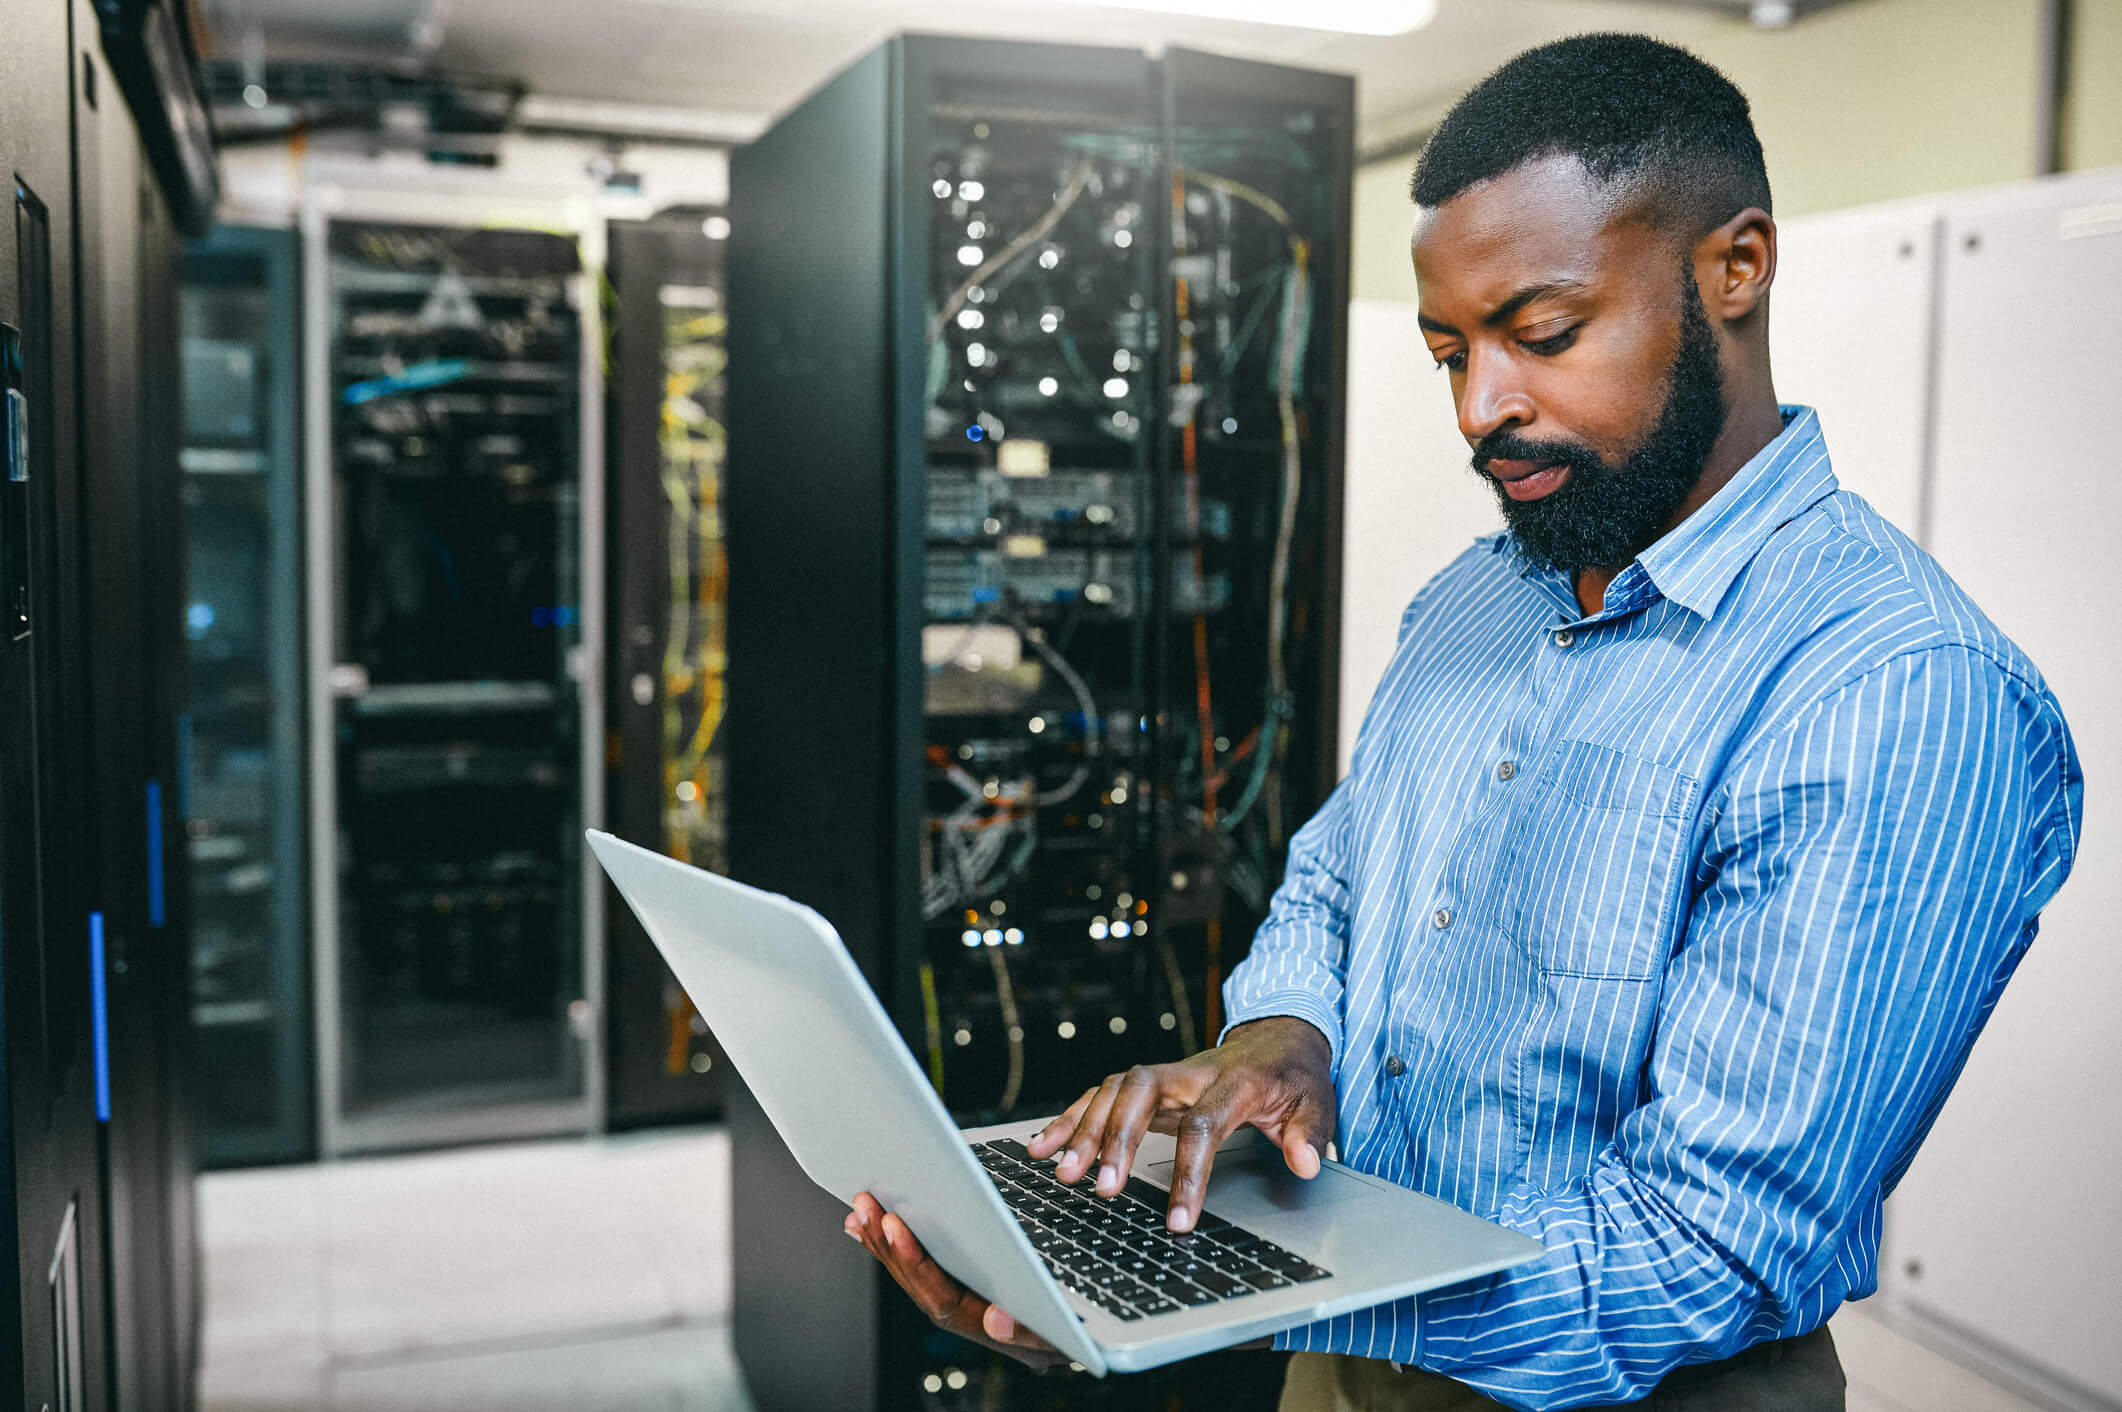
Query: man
[1692,834]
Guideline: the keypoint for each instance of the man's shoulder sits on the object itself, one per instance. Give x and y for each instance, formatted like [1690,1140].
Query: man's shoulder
[1843,580]
[1486,561]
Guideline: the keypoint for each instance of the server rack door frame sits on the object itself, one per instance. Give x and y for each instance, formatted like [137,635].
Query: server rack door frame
[1192,76]
[807,259]
[325,201]
[131,545]
[666,263]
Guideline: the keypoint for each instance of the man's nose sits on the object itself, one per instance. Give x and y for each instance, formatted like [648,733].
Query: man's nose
[1490,398]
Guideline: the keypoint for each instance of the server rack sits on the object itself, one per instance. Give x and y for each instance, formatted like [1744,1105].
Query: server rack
[242,802]
[54,1320]
[1036,388]
[454,540]
[93,903]
[665,680]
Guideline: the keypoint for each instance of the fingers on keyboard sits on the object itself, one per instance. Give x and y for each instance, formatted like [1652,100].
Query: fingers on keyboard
[1115,1251]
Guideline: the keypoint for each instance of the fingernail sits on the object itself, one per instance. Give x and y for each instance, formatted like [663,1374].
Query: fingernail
[853,1237]
[1180,1219]
[860,1219]
[1108,1177]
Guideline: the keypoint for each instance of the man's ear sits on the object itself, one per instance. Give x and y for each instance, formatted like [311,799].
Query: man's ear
[1735,264]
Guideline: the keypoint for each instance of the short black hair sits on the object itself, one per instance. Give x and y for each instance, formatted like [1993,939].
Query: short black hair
[1637,112]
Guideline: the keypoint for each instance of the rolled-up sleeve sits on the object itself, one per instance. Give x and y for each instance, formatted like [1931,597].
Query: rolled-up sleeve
[1874,871]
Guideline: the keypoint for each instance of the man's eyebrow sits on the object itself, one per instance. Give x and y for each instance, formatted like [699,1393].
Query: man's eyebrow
[1527,295]
[1509,306]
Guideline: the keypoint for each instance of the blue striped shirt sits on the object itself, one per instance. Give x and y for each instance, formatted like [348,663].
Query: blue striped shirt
[1675,920]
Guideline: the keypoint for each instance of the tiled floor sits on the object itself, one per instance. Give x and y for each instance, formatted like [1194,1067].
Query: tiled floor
[579,1275]
[576,1275]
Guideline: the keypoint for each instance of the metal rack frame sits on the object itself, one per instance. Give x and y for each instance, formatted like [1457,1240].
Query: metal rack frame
[340,1134]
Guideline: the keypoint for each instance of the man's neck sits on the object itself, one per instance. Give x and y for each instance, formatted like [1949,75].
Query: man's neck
[1748,427]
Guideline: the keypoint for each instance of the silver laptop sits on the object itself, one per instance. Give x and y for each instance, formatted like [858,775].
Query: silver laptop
[1098,1277]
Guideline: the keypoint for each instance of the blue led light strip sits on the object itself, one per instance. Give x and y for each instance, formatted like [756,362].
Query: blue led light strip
[98,1006]
[154,852]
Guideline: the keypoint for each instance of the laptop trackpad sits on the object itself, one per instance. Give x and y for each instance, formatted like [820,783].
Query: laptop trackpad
[1258,1179]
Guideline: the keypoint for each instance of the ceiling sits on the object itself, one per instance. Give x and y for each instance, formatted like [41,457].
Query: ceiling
[740,62]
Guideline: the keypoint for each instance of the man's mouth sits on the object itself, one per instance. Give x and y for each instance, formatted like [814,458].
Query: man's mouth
[1528,480]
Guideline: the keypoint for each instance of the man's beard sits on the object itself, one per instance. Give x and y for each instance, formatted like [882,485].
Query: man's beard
[1604,516]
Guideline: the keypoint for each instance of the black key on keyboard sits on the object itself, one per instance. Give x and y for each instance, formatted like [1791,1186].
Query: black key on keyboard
[1282,1261]
[1217,1282]
[1118,1253]
[1135,1292]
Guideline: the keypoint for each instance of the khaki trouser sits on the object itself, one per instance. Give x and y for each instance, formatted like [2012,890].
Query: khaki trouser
[1787,1375]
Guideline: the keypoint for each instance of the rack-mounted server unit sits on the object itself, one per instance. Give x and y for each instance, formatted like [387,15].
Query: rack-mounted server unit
[1036,407]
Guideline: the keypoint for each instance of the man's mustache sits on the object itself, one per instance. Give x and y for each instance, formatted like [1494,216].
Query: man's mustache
[1504,446]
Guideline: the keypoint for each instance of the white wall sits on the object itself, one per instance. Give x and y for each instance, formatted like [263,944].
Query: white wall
[1411,502]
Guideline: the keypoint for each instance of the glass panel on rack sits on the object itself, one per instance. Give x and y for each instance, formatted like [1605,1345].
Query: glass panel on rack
[694,446]
[227,617]
[1251,212]
[1042,349]
[240,761]
[455,382]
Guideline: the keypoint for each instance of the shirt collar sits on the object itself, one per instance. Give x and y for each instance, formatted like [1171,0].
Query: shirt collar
[1695,564]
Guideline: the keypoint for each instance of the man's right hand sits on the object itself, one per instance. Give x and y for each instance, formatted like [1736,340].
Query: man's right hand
[1274,1074]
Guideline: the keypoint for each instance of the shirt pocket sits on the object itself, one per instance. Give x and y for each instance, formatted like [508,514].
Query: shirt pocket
[1592,863]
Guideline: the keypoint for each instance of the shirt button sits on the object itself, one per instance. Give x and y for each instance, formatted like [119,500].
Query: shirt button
[1507,771]
[1443,918]
[1564,637]
[1395,1065]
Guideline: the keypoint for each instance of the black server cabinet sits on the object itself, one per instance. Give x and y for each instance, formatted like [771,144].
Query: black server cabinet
[452,505]
[1036,389]
[129,662]
[667,785]
[53,1329]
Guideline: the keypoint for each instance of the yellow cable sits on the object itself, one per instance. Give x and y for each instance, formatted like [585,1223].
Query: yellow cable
[932,1021]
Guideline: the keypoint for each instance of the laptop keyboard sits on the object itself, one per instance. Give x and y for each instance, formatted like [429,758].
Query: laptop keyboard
[1115,1251]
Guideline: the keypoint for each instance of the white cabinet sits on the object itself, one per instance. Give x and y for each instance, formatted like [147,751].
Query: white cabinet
[2006,1226]
[1849,322]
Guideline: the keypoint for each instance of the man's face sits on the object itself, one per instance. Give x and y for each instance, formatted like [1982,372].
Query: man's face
[1582,363]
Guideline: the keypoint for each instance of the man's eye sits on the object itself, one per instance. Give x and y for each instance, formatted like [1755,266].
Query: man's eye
[1548,347]
[1452,362]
